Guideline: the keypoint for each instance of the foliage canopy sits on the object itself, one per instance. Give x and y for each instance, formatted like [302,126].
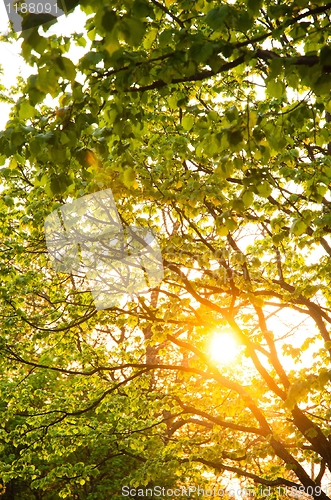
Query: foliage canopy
[210,122]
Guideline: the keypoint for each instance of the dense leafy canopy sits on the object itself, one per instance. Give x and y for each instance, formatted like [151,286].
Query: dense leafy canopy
[210,122]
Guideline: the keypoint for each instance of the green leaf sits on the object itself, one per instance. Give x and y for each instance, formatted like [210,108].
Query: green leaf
[232,114]
[132,30]
[264,189]
[90,59]
[217,16]
[26,111]
[238,205]
[298,227]
[59,183]
[235,137]
[165,38]
[275,88]
[109,20]
[17,138]
[322,85]
[248,198]
[244,21]
[141,9]
[32,40]
[65,68]
[201,52]
[254,6]
[231,224]
[188,122]
[325,55]
[47,83]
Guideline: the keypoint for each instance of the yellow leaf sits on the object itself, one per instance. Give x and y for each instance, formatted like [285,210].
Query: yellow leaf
[128,177]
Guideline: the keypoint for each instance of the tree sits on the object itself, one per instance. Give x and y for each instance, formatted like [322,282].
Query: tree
[211,124]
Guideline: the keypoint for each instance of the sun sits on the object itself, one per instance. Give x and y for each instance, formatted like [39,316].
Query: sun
[223,347]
